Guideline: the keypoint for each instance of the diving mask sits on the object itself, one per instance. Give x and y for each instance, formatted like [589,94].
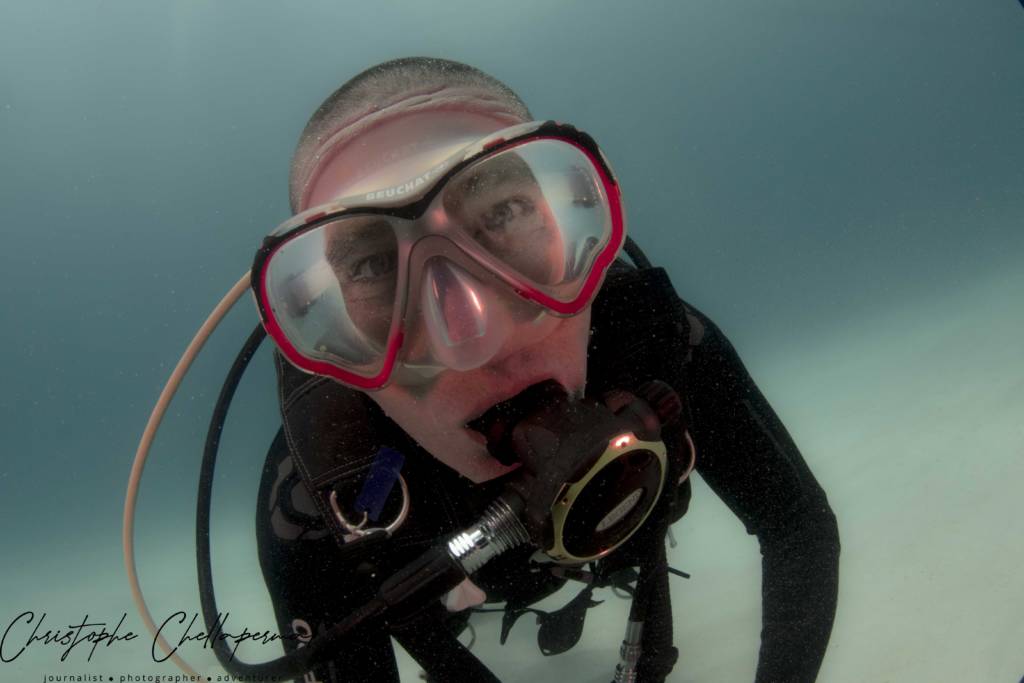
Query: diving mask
[511,230]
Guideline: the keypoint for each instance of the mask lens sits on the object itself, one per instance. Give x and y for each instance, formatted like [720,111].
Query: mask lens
[538,208]
[332,291]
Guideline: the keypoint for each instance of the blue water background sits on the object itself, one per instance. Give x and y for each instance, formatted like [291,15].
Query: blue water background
[802,169]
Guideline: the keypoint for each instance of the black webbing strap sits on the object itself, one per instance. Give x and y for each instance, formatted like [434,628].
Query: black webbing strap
[438,650]
[657,655]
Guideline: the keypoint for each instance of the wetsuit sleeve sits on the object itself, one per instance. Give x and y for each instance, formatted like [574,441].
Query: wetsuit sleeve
[747,457]
[309,583]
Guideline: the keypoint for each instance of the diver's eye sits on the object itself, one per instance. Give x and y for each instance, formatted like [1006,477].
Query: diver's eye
[506,214]
[372,267]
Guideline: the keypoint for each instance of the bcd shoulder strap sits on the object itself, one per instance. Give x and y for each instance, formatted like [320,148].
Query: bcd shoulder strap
[642,331]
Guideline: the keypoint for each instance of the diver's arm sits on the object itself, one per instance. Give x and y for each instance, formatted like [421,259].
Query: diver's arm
[747,457]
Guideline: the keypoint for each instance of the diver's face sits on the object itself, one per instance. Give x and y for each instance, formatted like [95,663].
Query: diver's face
[538,347]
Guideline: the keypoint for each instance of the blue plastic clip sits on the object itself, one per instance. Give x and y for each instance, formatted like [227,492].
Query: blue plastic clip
[379,482]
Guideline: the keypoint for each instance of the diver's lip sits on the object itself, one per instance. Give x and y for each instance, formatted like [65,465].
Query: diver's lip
[483,406]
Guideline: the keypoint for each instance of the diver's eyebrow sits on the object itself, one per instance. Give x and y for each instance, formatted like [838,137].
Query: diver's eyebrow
[371,232]
[496,172]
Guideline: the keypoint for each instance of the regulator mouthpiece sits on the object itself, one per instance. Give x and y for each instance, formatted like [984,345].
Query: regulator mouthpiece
[497,423]
[592,470]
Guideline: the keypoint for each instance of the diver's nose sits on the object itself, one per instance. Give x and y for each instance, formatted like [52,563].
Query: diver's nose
[465,324]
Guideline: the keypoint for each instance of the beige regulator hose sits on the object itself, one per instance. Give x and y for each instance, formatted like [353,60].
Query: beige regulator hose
[128,528]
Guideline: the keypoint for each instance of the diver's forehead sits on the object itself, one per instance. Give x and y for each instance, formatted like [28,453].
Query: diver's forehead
[384,148]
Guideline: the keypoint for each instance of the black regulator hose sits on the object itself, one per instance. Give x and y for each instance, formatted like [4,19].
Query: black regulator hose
[637,255]
[290,665]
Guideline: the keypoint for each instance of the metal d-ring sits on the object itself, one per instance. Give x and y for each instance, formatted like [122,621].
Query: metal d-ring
[357,529]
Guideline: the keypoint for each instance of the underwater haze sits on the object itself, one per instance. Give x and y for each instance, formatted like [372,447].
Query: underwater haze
[838,185]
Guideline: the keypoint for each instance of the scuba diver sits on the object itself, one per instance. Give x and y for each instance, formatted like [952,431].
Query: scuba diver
[353,379]
[483,401]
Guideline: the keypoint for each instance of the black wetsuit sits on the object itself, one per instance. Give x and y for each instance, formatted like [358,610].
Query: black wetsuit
[744,453]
